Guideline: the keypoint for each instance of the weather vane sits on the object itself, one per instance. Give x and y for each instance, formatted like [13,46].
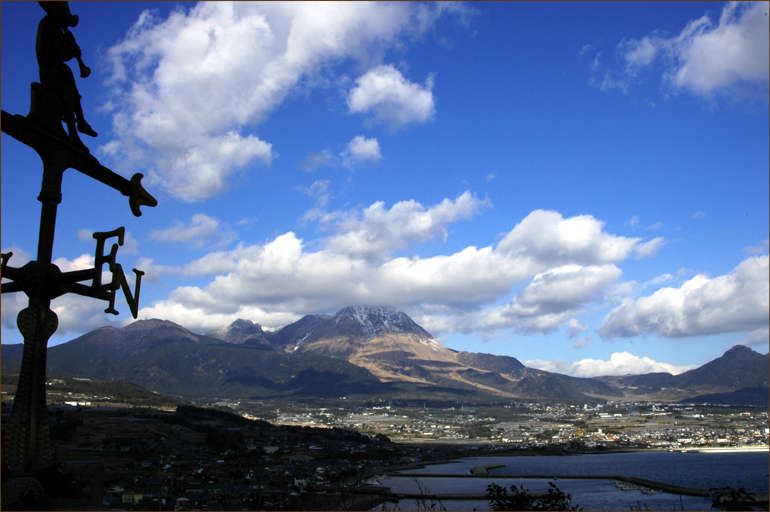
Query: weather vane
[56,100]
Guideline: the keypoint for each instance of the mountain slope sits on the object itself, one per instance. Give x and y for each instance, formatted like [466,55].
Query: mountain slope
[738,376]
[394,348]
[362,350]
[720,375]
[168,358]
[242,332]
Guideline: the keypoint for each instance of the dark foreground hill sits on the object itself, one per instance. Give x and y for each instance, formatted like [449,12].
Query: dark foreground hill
[363,351]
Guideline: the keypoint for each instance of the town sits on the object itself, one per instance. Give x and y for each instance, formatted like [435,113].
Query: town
[285,455]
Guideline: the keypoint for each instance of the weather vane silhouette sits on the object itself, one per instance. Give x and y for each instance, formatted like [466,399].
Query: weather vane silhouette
[56,100]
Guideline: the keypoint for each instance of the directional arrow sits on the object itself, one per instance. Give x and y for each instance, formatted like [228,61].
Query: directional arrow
[41,140]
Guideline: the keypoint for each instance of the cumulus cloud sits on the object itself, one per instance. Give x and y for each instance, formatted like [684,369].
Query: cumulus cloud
[708,58]
[715,57]
[620,363]
[189,90]
[376,232]
[544,239]
[563,264]
[361,150]
[200,232]
[13,303]
[734,302]
[457,292]
[391,99]
[19,258]
[554,296]
[575,328]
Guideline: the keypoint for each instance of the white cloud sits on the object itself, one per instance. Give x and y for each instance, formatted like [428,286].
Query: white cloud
[12,304]
[575,328]
[319,191]
[728,57]
[565,264]
[582,342]
[734,302]
[649,249]
[19,256]
[82,262]
[360,150]
[376,232]
[189,90]
[620,363]
[392,99]
[318,159]
[445,293]
[759,249]
[759,338]
[716,58]
[76,314]
[641,53]
[558,294]
[200,232]
[544,239]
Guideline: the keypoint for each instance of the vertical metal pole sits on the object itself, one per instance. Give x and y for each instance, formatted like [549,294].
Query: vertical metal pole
[27,438]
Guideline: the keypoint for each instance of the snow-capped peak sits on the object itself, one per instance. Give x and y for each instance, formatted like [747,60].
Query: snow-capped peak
[376,319]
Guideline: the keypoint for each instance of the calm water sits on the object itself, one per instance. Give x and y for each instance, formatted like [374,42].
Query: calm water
[747,470]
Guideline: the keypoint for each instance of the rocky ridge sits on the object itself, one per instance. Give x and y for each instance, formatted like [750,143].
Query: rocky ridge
[362,350]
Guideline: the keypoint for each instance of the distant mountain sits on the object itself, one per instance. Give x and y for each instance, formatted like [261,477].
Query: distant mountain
[361,350]
[489,362]
[756,397]
[396,349]
[739,367]
[165,357]
[242,332]
[10,356]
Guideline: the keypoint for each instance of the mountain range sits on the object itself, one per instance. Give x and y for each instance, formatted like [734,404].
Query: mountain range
[373,351]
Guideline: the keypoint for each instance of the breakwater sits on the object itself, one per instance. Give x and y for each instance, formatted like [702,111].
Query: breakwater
[483,473]
[660,481]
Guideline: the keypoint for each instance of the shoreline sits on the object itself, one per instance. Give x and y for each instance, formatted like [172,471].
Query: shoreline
[482,470]
[717,449]
[531,453]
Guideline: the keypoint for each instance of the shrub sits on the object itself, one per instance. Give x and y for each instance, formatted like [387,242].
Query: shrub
[521,499]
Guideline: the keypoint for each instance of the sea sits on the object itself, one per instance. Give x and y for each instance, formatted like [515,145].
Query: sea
[748,470]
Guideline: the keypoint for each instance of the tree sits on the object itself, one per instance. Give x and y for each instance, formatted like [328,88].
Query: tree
[727,498]
[521,499]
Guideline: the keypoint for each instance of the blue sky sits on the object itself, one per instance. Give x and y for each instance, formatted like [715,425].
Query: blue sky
[583,186]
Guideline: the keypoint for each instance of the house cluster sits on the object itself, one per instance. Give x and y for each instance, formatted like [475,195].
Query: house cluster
[155,460]
[537,425]
[638,425]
